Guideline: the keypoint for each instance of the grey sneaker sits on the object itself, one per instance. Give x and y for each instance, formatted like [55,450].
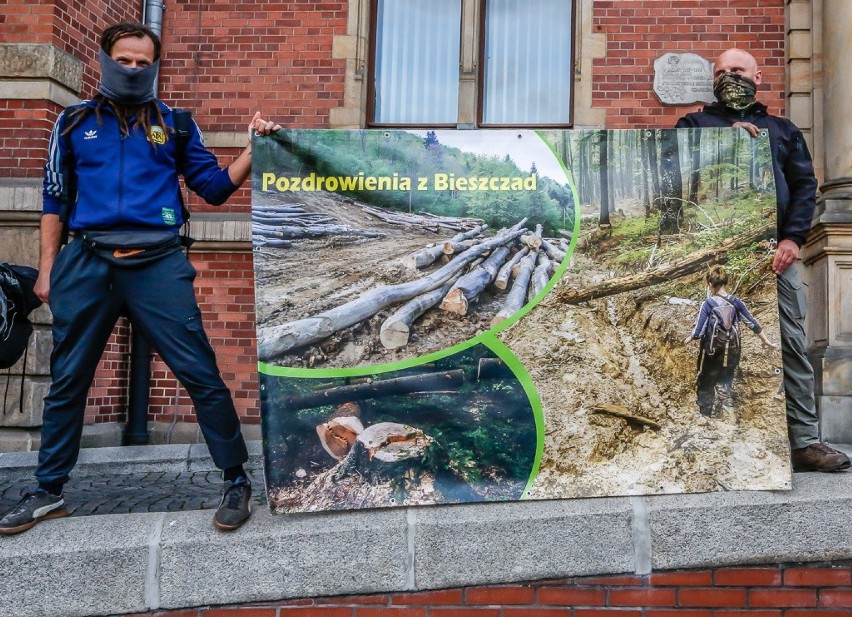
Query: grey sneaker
[235,507]
[33,508]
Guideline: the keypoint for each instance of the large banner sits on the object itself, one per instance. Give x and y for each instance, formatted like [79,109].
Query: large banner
[466,316]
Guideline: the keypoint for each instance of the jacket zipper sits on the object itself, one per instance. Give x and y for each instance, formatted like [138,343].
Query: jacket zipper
[121,139]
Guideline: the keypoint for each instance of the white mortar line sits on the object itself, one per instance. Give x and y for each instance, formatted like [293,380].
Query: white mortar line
[641,537]
[410,529]
[152,580]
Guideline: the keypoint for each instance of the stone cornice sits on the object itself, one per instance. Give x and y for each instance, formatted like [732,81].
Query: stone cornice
[39,71]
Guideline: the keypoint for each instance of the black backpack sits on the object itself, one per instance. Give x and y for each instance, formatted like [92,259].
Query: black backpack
[722,333]
[17,300]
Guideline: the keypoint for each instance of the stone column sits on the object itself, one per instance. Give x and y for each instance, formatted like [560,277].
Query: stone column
[828,253]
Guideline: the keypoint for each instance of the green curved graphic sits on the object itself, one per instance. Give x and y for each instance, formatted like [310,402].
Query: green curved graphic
[504,353]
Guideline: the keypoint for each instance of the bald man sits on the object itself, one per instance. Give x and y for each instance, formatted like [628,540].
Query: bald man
[737,77]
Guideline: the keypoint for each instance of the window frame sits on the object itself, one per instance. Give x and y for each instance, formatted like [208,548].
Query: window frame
[480,77]
[479,89]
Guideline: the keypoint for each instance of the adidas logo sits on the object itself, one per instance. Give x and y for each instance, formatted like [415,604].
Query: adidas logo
[93,134]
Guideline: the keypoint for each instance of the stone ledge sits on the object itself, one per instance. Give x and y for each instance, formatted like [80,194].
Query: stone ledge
[174,560]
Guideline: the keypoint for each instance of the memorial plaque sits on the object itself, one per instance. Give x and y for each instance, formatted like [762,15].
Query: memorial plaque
[683,79]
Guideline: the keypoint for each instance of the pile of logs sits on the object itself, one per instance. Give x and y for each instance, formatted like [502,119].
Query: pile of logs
[275,225]
[473,264]
[425,220]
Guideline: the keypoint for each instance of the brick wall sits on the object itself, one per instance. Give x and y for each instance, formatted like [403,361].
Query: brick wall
[816,590]
[224,60]
[638,31]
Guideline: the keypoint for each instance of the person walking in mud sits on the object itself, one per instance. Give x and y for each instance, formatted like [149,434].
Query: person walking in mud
[718,329]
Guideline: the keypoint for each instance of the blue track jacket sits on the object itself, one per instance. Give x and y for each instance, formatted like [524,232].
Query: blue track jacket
[125,183]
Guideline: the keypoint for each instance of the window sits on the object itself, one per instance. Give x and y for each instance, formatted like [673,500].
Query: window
[522,58]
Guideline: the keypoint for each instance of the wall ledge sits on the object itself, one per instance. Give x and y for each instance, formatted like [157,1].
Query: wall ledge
[73,566]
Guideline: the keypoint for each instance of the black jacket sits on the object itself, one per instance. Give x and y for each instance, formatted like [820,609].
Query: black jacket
[795,183]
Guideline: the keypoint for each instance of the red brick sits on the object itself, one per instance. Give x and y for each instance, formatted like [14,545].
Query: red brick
[607,612]
[343,600]
[500,595]
[621,580]
[572,596]
[750,613]
[835,598]
[748,577]
[682,579]
[239,612]
[817,577]
[445,596]
[711,597]
[782,597]
[808,612]
[464,612]
[325,611]
[678,612]
[642,597]
[386,611]
[536,612]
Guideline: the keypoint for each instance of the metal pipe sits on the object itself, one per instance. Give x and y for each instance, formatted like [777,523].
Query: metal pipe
[136,429]
[152,16]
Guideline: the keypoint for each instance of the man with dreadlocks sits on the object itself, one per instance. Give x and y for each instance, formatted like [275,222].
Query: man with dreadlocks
[120,149]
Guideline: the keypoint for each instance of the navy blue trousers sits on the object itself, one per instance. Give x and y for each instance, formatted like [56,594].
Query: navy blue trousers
[87,295]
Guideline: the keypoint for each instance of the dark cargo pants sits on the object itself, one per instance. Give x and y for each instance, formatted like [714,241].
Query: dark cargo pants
[87,296]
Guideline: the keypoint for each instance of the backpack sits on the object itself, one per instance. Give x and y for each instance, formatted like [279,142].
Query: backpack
[722,333]
[182,120]
[17,300]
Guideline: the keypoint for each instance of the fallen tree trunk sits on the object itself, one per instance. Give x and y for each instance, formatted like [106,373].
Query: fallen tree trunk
[468,287]
[312,231]
[424,257]
[554,253]
[688,265]
[271,242]
[385,387]
[278,340]
[518,293]
[501,281]
[624,414]
[540,276]
[396,329]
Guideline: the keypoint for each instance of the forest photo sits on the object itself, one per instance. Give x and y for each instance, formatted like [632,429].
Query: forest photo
[375,247]
[460,429]
[456,316]
[659,210]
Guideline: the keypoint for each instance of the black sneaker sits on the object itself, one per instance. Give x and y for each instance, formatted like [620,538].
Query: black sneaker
[33,508]
[235,508]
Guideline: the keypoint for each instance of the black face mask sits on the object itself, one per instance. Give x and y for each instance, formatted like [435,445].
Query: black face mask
[734,91]
[125,85]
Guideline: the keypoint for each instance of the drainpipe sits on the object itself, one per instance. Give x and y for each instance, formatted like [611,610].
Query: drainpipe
[136,429]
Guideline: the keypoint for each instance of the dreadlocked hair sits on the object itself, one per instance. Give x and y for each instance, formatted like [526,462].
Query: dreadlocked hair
[129,117]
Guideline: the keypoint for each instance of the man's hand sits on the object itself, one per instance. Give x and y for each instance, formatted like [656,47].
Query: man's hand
[42,285]
[786,253]
[748,126]
[259,126]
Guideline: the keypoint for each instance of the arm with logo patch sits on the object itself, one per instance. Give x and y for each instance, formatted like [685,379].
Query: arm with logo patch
[50,230]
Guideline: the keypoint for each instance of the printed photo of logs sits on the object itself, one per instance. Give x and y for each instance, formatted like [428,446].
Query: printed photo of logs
[421,245]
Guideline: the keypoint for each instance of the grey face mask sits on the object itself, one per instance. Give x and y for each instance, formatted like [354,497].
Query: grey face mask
[125,85]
